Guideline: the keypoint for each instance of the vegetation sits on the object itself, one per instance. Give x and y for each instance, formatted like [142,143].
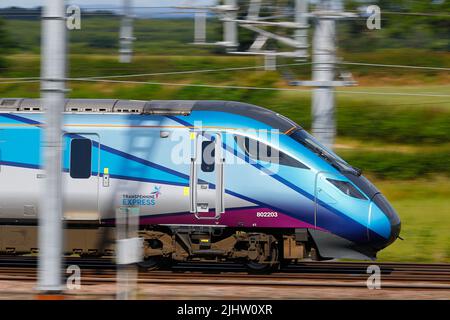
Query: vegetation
[360,116]
[424,210]
[4,43]
[397,165]
[401,141]
[401,26]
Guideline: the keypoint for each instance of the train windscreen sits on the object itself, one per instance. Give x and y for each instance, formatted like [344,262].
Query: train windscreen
[314,145]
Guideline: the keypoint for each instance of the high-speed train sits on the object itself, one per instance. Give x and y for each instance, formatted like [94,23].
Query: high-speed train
[211,181]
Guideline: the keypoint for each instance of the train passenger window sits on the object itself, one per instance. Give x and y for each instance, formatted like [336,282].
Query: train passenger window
[262,152]
[80,158]
[208,155]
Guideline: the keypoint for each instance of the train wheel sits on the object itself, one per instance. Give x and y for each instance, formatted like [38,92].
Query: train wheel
[152,262]
[266,266]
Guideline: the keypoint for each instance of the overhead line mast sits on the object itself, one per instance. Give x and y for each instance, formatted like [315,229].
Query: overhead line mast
[126,33]
[53,90]
[324,61]
[323,52]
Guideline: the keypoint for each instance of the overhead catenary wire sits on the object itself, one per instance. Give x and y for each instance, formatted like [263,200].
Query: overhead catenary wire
[393,66]
[168,72]
[20,81]
[180,10]
[420,94]
[423,14]
[234,69]
[193,71]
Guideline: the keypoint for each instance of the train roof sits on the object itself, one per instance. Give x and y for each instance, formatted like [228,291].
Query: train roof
[156,107]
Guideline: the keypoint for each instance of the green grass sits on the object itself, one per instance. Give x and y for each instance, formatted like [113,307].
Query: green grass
[391,138]
[400,165]
[376,117]
[401,142]
[361,115]
[391,95]
[101,34]
[424,209]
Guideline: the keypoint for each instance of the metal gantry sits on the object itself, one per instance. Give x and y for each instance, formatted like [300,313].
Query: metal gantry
[200,27]
[254,22]
[301,34]
[230,27]
[323,49]
[53,76]
[323,74]
[324,61]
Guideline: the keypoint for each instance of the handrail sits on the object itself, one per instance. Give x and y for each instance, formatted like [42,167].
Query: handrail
[193,180]
[220,187]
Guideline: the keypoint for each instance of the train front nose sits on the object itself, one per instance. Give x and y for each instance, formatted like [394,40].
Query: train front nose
[391,214]
[383,219]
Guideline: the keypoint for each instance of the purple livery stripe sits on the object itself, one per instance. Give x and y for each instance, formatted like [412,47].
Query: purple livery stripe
[246,217]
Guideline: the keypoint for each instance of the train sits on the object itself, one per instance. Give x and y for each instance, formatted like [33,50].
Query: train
[210,181]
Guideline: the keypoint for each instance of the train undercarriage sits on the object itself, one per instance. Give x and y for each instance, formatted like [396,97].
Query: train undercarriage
[259,249]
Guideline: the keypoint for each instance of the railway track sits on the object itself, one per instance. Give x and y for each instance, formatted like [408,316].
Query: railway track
[309,266]
[305,274]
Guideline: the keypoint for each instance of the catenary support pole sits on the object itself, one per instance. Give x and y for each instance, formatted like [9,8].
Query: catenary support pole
[230,27]
[323,99]
[301,34]
[270,62]
[128,251]
[53,99]
[126,33]
[200,27]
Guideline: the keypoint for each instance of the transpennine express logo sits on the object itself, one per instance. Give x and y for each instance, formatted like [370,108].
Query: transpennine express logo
[142,199]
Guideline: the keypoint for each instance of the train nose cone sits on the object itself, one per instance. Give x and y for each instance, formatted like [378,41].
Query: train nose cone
[392,215]
[395,232]
[373,193]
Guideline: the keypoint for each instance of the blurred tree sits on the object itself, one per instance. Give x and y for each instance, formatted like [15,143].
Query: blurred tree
[405,24]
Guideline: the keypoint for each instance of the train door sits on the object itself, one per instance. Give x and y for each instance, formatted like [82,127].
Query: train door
[207,176]
[1,175]
[324,195]
[81,177]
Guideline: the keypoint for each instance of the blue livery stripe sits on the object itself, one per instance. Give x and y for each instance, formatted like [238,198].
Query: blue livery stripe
[184,176]
[286,183]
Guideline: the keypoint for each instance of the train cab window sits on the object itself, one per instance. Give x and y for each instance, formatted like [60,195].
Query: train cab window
[208,156]
[257,150]
[347,188]
[80,158]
